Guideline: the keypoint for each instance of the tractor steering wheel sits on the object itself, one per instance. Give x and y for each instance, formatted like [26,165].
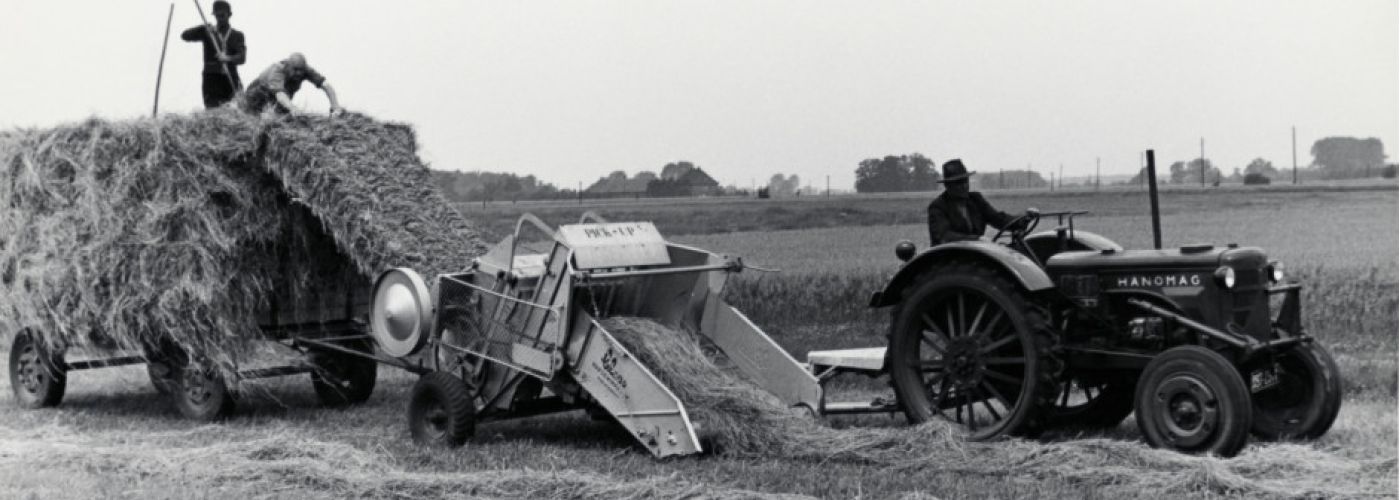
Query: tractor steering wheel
[1020,226]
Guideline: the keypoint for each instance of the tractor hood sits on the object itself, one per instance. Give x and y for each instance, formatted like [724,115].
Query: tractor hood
[1186,257]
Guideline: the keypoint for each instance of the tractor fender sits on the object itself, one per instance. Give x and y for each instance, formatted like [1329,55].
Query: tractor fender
[1021,268]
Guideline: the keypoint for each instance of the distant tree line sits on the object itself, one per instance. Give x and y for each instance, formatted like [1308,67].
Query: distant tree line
[913,172]
[494,186]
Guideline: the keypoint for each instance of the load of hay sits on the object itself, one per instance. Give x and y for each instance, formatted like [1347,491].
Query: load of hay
[193,229]
[739,419]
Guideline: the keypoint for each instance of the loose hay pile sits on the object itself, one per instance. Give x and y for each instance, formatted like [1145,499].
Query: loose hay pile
[189,228]
[743,421]
[287,466]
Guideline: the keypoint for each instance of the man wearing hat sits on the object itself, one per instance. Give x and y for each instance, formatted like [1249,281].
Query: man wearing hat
[960,214]
[224,51]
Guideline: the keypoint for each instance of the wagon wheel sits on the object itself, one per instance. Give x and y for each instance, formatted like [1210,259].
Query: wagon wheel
[1082,404]
[1192,399]
[1307,398]
[441,411]
[36,374]
[199,391]
[966,345]
[343,379]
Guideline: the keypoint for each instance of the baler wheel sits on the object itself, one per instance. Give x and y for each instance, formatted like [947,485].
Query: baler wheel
[1193,400]
[1306,401]
[36,375]
[441,412]
[968,345]
[343,379]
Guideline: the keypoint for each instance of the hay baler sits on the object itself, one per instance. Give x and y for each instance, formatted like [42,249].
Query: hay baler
[519,334]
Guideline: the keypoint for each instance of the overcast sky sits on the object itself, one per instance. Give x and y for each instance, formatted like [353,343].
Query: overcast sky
[571,90]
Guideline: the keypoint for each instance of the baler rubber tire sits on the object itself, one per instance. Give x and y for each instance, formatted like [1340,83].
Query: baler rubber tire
[440,411]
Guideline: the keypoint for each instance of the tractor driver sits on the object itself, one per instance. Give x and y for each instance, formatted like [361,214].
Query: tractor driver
[960,214]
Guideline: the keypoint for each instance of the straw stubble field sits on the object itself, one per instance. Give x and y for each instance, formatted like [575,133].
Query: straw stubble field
[113,437]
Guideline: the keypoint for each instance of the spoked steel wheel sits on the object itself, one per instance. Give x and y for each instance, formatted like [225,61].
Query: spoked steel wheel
[1092,404]
[36,375]
[967,346]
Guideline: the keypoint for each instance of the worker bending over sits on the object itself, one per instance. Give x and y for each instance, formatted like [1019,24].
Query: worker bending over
[276,86]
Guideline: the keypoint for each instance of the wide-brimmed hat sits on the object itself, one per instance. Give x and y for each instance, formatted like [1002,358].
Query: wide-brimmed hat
[953,170]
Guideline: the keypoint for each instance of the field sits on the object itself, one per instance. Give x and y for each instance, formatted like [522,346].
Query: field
[114,437]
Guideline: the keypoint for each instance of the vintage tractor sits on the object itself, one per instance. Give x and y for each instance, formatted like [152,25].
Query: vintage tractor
[1066,328]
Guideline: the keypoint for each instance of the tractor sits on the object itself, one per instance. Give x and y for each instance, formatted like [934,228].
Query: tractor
[1066,329]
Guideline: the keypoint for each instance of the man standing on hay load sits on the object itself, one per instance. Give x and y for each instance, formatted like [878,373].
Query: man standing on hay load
[224,51]
[960,214]
[276,86]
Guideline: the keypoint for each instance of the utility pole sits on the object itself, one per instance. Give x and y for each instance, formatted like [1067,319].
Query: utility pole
[1097,178]
[828,185]
[1062,176]
[580,192]
[1203,162]
[1295,154]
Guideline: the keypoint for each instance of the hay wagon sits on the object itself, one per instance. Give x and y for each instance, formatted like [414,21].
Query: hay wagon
[323,329]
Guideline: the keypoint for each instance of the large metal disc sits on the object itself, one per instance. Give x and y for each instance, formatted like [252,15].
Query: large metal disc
[402,312]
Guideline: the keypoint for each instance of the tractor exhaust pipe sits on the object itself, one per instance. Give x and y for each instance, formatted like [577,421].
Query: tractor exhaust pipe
[1152,194]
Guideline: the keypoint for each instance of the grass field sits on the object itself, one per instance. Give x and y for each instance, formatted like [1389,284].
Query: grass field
[114,437]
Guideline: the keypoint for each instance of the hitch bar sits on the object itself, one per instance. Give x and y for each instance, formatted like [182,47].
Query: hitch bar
[1239,341]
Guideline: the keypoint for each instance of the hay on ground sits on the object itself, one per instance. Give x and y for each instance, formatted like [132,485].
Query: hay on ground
[743,421]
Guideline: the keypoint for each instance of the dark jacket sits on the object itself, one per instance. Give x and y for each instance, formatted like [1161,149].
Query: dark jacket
[947,224]
[233,44]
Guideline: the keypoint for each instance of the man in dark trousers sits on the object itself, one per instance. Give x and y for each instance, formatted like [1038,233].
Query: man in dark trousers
[220,68]
[959,214]
[276,86]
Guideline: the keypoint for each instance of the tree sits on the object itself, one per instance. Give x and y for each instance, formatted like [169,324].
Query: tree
[783,186]
[1178,172]
[1348,157]
[1262,167]
[913,172]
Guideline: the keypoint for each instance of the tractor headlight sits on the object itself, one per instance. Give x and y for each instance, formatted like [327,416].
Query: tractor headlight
[1225,276]
[1275,271]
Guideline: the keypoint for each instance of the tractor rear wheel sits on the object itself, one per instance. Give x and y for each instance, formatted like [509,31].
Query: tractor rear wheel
[966,344]
[441,412]
[343,379]
[36,374]
[1191,399]
[1088,405]
[1307,398]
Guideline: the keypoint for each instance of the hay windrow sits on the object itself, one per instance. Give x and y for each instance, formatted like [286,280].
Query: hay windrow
[188,227]
[741,420]
[330,469]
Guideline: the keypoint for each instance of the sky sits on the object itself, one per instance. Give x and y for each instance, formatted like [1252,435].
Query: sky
[569,91]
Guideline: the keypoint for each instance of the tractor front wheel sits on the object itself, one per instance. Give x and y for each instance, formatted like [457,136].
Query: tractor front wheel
[441,412]
[967,345]
[1306,399]
[36,374]
[1192,399]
